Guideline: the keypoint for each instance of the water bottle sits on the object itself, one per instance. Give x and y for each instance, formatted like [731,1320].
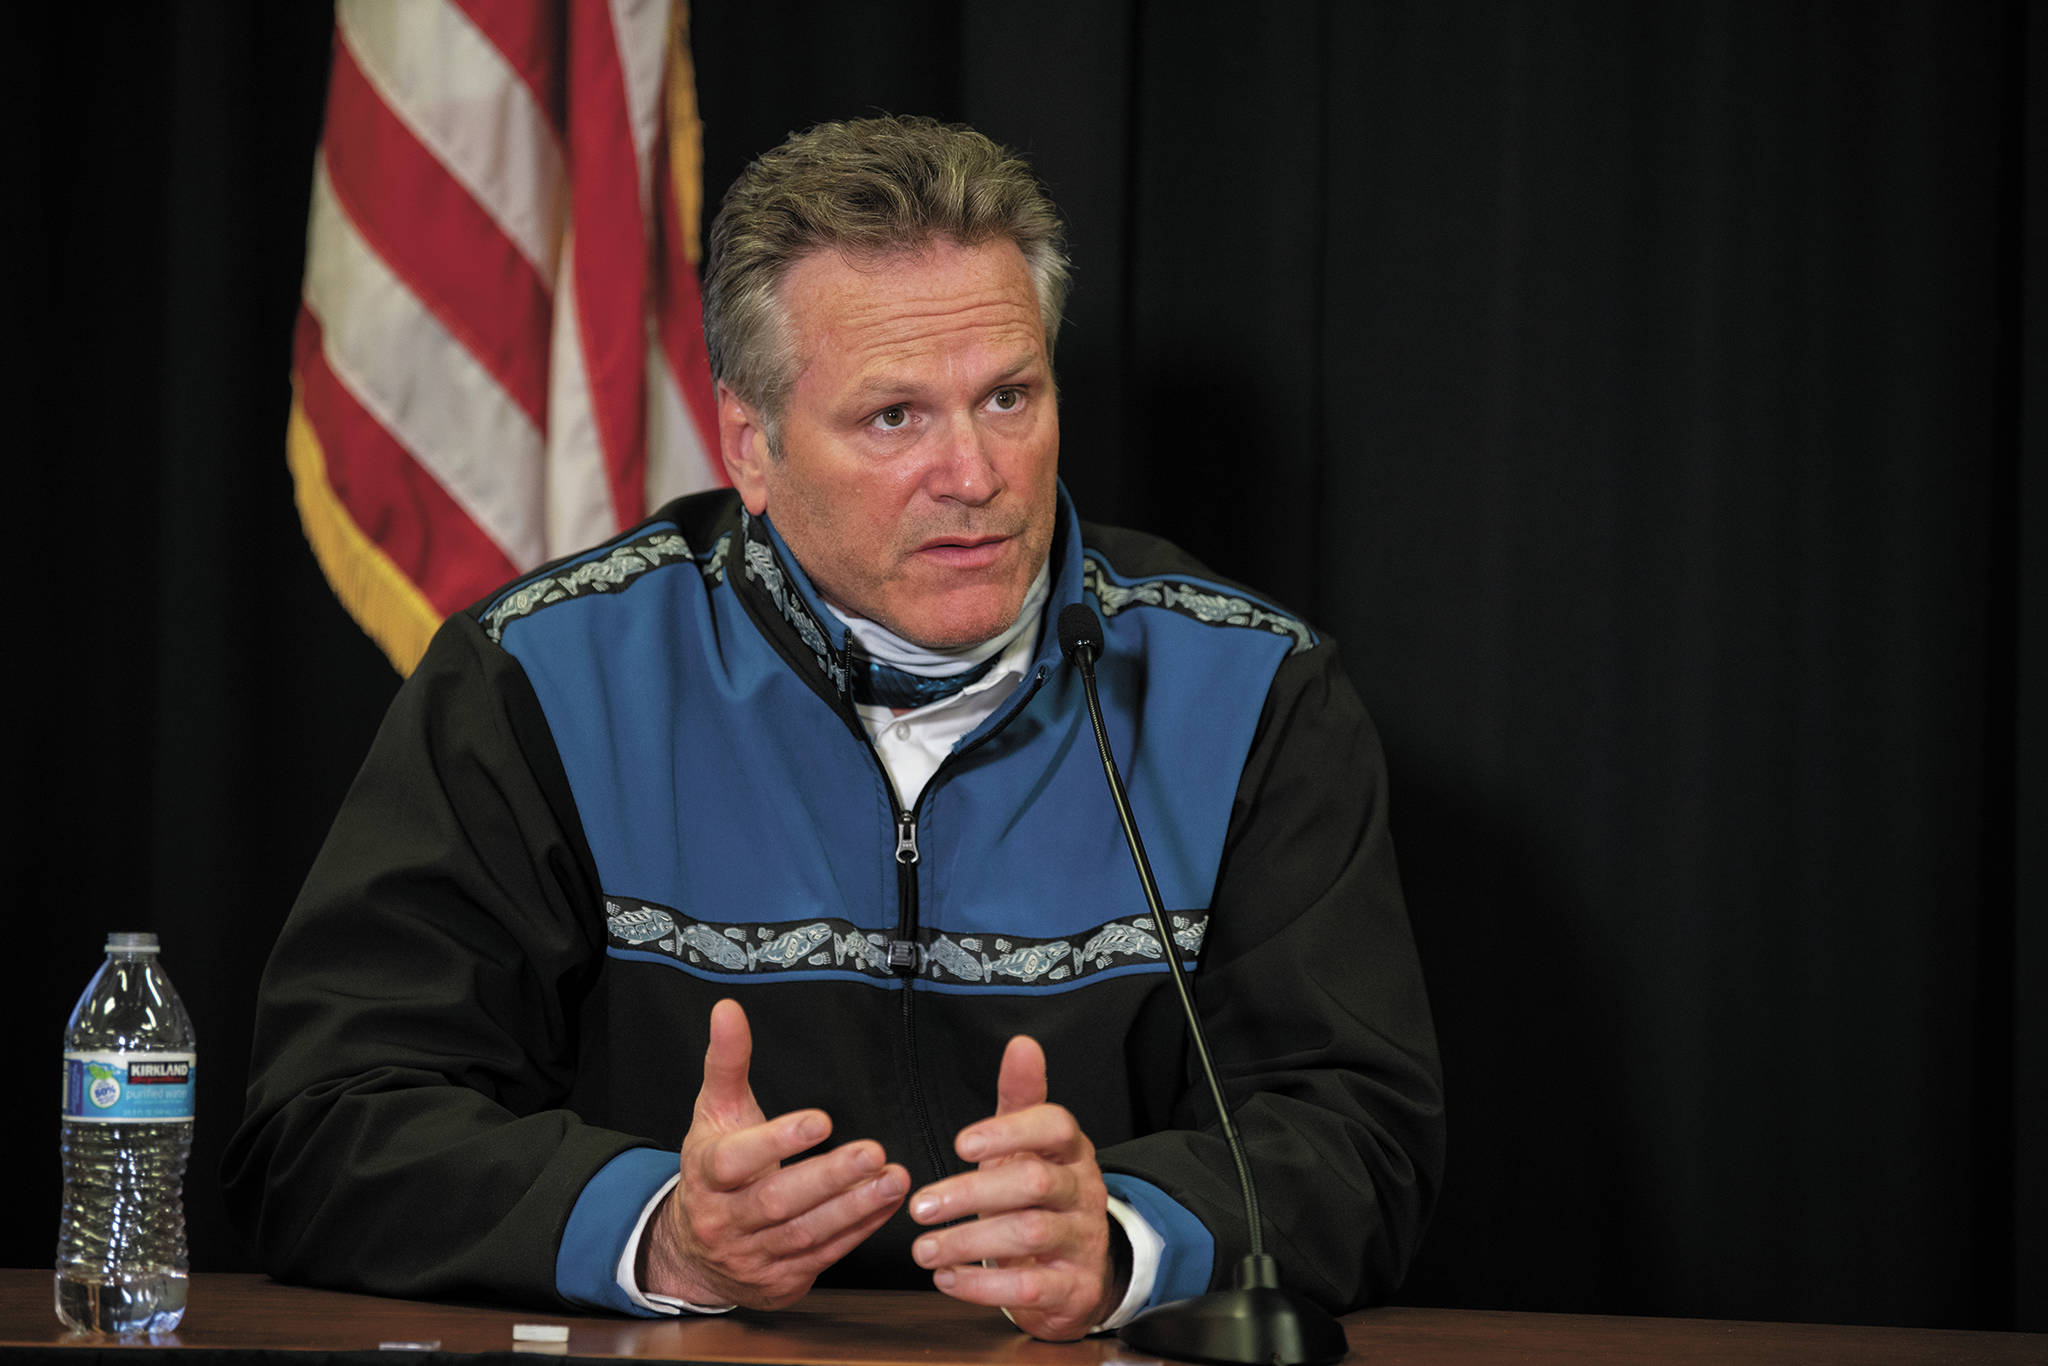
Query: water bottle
[128,1083]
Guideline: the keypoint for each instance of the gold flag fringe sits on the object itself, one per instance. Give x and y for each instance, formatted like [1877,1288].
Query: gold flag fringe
[377,593]
[685,133]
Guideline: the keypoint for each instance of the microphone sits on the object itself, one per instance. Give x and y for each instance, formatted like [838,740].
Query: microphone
[1080,630]
[1256,1322]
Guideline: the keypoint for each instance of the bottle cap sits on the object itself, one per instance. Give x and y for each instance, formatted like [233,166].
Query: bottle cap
[131,941]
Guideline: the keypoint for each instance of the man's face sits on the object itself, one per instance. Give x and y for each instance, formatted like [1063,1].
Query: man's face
[920,442]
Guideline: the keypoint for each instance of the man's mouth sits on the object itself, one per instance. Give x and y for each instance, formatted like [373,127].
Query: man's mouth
[964,552]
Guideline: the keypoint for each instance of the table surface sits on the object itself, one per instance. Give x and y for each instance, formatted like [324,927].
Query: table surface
[910,1328]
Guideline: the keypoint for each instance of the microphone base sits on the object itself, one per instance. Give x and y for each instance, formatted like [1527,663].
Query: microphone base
[1256,1325]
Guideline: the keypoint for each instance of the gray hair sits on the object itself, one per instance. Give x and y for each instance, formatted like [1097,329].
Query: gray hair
[864,187]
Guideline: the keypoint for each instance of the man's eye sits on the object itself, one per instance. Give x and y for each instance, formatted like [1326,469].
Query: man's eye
[1007,400]
[892,417]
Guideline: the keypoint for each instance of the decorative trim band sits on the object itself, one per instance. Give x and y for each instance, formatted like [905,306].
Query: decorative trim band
[610,572]
[833,945]
[1190,598]
[759,563]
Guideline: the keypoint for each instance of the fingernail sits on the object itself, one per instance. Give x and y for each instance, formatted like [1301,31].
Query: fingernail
[943,1279]
[811,1129]
[866,1160]
[924,1207]
[925,1250]
[971,1146]
[891,1185]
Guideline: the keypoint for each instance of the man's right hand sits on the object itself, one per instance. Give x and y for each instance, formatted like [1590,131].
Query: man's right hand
[741,1228]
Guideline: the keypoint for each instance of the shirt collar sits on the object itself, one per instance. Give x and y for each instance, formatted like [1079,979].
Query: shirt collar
[878,642]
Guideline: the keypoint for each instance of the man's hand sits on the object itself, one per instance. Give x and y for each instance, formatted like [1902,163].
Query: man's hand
[740,1227]
[1042,1212]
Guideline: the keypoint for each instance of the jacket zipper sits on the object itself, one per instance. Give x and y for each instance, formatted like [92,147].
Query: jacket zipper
[904,962]
[904,955]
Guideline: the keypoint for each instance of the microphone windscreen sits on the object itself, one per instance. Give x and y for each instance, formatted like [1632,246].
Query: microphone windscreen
[1078,627]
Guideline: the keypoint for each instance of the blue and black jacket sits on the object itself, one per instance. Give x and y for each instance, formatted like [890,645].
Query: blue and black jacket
[633,783]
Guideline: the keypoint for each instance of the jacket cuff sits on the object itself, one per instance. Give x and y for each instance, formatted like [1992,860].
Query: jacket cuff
[601,1223]
[1189,1255]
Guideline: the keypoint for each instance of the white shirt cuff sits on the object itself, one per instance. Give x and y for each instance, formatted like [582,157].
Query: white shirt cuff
[1146,1247]
[628,1282]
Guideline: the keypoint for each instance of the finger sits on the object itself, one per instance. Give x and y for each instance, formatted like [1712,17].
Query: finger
[1020,1081]
[1020,1235]
[1024,1184]
[802,1187]
[725,1090]
[729,1161]
[1055,1303]
[806,1264]
[1051,1131]
[1014,1287]
[819,1236]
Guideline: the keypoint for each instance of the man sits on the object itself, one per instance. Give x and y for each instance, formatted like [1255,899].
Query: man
[786,801]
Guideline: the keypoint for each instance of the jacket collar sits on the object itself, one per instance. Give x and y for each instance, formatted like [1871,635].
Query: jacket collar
[785,604]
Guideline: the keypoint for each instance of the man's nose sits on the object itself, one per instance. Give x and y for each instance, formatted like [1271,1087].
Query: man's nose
[964,467]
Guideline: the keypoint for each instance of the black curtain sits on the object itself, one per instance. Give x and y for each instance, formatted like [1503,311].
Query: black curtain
[1642,394]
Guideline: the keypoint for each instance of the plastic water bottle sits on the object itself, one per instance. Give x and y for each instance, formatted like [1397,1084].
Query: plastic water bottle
[128,1082]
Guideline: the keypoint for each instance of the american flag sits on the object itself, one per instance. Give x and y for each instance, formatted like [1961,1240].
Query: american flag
[499,356]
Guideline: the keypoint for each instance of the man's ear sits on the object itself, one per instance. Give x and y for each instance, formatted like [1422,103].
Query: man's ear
[743,445]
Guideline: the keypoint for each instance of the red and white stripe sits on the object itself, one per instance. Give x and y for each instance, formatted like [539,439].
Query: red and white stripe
[499,357]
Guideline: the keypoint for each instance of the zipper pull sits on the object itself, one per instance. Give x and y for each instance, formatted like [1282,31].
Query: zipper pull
[906,838]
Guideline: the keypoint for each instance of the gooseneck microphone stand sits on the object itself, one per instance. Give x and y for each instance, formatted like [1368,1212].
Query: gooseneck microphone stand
[1255,1322]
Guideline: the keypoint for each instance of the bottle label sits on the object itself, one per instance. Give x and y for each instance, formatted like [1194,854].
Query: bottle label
[129,1088]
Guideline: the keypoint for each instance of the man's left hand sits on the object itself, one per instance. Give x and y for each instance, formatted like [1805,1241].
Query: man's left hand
[1041,1212]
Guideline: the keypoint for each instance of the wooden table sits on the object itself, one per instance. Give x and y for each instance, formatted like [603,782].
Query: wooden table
[251,1314]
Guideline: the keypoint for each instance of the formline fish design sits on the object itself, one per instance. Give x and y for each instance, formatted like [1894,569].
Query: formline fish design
[978,959]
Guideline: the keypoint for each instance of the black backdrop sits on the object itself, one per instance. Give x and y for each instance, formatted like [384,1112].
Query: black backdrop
[1639,391]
